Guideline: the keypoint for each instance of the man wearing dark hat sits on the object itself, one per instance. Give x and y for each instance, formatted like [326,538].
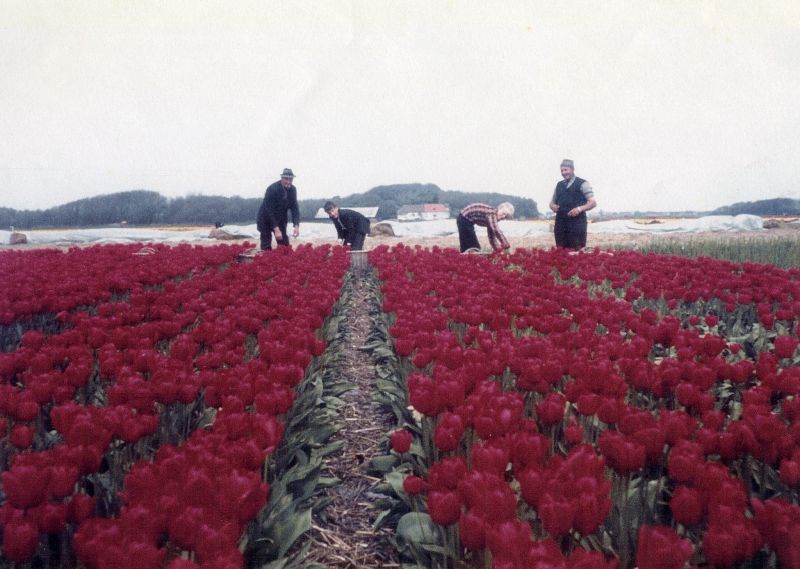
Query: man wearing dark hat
[572,198]
[351,226]
[279,199]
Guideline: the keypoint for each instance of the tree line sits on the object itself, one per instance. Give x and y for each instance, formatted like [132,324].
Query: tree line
[777,206]
[144,207]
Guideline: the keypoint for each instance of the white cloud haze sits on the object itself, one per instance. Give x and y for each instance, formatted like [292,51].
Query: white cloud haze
[663,105]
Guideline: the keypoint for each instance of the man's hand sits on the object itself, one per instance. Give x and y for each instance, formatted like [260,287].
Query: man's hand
[296,231]
[554,207]
[277,233]
[575,211]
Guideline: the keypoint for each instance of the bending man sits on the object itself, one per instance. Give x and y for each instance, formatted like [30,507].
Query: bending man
[351,226]
[485,216]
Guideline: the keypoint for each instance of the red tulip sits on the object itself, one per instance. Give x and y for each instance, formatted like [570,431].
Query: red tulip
[720,547]
[20,539]
[446,473]
[659,547]
[414,485]
[444,507]
[490,457]
[26,409]
[510,542]
[687,506]
[785,346]
[51,517]
[573,434]
[789,472]
[25,486]
[557,515]
[551,410]
[80,507]
[472,531]
[22,436]
[401,441]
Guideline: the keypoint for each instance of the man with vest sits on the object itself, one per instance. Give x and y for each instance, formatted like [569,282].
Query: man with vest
[279,199]
[572,198]
[351,227]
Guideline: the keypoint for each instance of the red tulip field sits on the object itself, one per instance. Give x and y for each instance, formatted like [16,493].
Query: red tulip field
[136,424]
[555,410]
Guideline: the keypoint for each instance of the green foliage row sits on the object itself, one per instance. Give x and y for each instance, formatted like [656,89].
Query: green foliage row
[142,207]
[782,252]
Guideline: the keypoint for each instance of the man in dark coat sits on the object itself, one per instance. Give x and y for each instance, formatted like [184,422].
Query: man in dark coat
[572,198]
[279,199]
[351,226]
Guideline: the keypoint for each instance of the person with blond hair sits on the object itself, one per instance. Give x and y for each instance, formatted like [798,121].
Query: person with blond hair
[485,216]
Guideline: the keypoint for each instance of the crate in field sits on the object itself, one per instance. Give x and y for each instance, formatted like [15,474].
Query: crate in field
[358,259]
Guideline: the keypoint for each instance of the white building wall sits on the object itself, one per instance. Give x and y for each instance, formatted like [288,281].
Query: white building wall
[431,215]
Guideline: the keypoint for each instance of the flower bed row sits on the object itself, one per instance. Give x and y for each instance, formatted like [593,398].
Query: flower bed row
[42,283]
[138,436]
[576,410]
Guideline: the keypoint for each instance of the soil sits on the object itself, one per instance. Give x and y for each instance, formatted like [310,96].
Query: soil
[342,535]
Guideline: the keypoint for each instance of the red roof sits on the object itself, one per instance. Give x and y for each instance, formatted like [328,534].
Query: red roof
[435,207]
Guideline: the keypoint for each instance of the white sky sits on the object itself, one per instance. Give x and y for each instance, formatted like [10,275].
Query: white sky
[663,104]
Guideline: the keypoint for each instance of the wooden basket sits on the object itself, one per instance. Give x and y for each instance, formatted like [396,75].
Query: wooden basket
[358,259]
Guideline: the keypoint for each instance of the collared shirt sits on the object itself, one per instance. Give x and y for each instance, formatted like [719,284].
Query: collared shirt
[486,216]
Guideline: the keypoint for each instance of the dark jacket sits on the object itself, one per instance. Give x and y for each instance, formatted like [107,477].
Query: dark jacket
[273,211]
[349,223]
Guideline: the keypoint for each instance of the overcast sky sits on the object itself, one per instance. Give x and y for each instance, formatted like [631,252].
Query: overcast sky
[663,104]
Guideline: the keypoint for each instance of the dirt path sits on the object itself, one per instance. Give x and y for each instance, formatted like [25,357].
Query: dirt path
[342,535]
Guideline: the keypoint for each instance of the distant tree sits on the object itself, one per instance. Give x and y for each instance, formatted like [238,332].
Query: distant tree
[143,207]
[309,208]
[776,206]
[390,198]
[387,210]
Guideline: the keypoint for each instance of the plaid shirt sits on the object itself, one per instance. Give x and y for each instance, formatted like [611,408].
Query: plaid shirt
[486,216]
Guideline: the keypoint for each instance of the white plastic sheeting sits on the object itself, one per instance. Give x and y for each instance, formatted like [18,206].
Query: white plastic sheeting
[408,230]
[710,223]
[532,228]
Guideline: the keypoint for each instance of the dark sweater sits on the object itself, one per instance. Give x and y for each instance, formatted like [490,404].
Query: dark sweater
[349,223]
[275,207]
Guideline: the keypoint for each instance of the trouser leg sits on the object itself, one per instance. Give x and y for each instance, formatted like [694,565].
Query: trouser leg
[570,234]
[560,233]
[284,240]
[266,239]
[466,234]
[580,235]
[358,242]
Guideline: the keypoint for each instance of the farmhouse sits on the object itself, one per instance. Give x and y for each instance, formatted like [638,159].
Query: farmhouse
[423,212]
